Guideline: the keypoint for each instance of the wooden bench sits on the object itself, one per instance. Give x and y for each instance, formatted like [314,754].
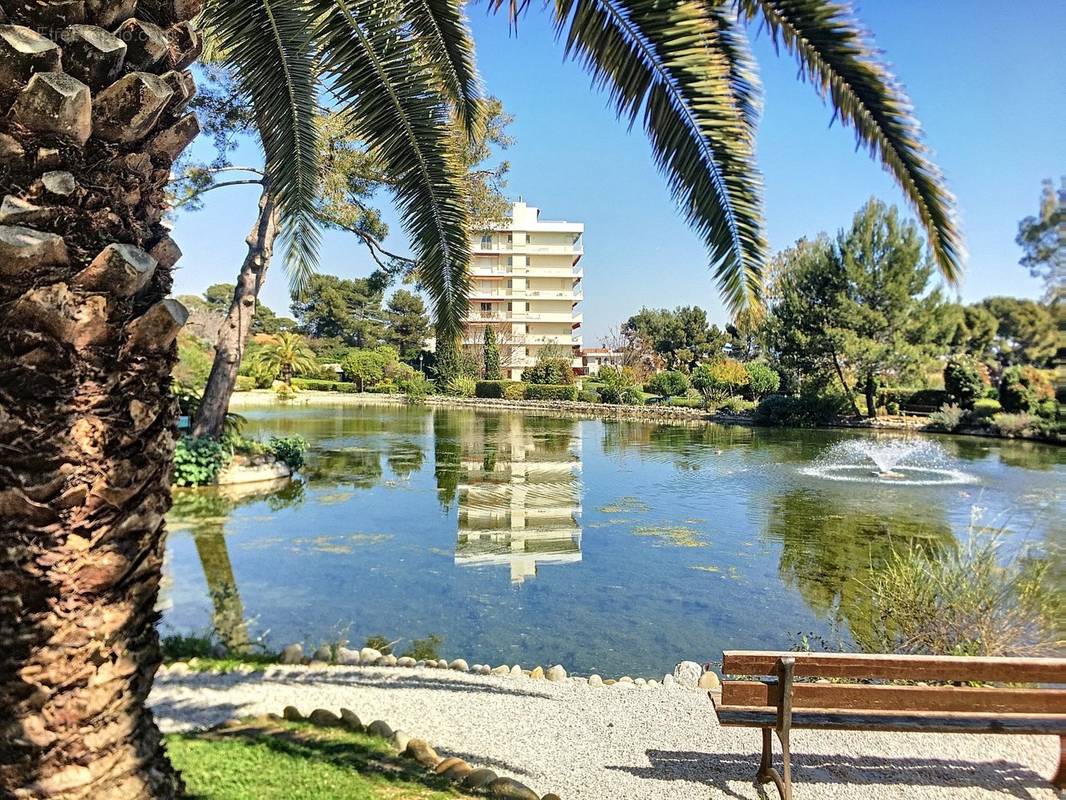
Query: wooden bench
[777,701]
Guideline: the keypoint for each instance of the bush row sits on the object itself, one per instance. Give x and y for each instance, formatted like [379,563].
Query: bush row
[518,390]
[315,385]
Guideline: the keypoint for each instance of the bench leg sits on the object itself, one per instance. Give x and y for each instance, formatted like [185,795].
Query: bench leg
[767,773]
[1059,780]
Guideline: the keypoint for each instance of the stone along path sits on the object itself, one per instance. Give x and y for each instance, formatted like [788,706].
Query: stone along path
[622,742]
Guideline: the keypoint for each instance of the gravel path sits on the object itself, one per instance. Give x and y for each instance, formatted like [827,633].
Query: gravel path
[614,743]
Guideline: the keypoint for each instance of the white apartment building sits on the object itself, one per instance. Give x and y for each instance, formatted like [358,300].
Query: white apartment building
[525,282]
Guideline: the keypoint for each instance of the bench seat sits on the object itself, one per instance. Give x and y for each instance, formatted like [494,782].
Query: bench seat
[907,703]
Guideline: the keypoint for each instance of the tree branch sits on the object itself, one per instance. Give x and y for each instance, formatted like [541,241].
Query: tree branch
[213,186]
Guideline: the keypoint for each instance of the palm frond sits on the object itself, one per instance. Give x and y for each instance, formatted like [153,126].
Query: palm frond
[450,48]
[835,53]
[380,77]
[266,45]
[687,71]
[743,74]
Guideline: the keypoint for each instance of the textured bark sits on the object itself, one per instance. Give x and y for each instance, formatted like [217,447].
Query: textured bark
[233,335]
[87,422]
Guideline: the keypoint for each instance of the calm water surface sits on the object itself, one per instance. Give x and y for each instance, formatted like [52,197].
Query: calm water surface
[608,546]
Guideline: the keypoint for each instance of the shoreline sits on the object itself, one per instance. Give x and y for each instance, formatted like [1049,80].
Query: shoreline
[579,410]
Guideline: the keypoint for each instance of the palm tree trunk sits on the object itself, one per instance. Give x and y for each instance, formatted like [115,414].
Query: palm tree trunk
[233,335]
[87,420]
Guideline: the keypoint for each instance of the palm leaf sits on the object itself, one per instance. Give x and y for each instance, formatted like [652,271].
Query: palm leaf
[686,69]
[835,54]
[450,48]
[265,43]
[380,77]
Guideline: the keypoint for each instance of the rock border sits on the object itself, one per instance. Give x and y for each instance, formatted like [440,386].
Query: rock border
[687,674]
[482,781]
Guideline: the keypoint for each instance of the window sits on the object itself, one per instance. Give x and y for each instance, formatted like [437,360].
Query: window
[486,241]
[486,306]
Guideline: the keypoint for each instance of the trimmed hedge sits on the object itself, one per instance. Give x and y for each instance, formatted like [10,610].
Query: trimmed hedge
[910,398]
[492,390]
[314,385]
[551,391]
[514,390]
[245,383]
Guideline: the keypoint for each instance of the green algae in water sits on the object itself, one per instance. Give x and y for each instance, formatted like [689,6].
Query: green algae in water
[676,535]
[625,505]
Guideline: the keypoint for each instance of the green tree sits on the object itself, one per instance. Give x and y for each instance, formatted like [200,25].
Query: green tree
[965,380]
[287,354]
[762,379]
[1025,333]
[344,308]
[407,325]
[367,368]
[721,378]
[859,307]
[682,337]
[492,355]
[396,70]
[1043,241]
[668,384]
[975,330]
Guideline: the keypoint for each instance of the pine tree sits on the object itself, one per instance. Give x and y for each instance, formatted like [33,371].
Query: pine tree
[492,355]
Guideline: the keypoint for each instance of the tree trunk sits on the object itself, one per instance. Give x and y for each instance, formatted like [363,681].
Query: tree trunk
[871,396]
[87,420]
[233,335]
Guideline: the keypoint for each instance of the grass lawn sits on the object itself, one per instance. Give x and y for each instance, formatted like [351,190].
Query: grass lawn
[288,761]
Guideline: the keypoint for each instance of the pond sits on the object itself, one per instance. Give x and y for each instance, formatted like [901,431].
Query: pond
[608,546]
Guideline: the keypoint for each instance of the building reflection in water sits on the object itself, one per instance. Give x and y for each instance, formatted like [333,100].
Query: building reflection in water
[519,493]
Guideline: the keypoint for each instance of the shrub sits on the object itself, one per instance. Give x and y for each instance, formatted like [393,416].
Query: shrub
[1012,424]
[588,396]
[720,378]
[912,399]
[964,380]
[284,391]
[965,601]
[514,390]
[668,384]
[986,409]
[461,386]
[811,408]
[324,386]
[547,391]
[383,387]
[689,402]
[427,649]
[416,387]
[762,379]
[619,386]
[289,450]
[893,408]
[245,383]
[736,405]
[552,371]
[1026,390]
[379,643]
[948,418]
[490,390]
[197,461]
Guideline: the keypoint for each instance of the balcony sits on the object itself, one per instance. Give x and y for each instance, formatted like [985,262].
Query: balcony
[561,339]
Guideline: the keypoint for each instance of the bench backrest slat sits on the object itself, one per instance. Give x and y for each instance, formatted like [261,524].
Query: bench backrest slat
[898,698]
[897,667]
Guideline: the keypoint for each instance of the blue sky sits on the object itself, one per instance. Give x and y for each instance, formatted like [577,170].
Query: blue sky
[987,83]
